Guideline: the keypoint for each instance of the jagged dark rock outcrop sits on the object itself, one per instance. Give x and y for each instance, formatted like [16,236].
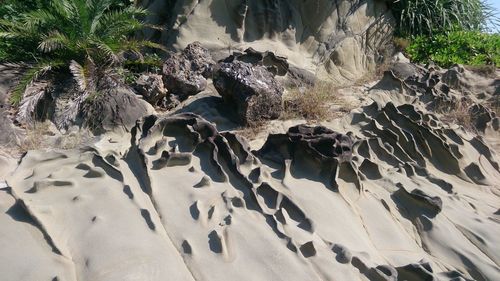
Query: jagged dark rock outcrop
[279,66]
[251,90]
[275,64]
[185,73]
[150,87]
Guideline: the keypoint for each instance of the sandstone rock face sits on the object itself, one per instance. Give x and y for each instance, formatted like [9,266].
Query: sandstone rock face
[252,90]
[339,39]
[473,81]
[185,74]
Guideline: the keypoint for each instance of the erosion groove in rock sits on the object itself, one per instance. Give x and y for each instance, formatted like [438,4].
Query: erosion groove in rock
[402,198]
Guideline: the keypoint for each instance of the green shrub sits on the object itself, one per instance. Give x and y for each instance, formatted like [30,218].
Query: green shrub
[457,47]
[424,17]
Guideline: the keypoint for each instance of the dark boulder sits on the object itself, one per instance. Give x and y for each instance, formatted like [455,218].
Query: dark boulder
[251,90]
[277,65]
[185,74]
[117,108]
[150,87]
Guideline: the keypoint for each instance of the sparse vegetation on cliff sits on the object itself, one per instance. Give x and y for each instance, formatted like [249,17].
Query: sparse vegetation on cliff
[462,47]
[447,32]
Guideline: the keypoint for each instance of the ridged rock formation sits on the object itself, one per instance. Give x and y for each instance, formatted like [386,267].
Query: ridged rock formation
[401,197]
[340,39]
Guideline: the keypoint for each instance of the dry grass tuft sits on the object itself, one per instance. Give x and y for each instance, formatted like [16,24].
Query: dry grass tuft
[35,137]
[251,131]
[314,103]
[494,105]
[400,44]
[459,114]
[374,75]
[462,113]
[42,137]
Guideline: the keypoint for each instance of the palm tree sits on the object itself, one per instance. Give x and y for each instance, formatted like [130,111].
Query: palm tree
[85,37]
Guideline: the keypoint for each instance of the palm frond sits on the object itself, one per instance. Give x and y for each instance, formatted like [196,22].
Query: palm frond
[84,75]
[30,76]
[98,9]
[106,52]
[120,22]
[154,27]
[69,114]
[63,8]
[79,74]
[136,46]
[53,41]
[34,19]
[11,29]
[30,101]
[83,15]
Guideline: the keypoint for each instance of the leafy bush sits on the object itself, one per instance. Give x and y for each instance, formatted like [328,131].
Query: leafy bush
[457,47]
[87,37]
[424,17]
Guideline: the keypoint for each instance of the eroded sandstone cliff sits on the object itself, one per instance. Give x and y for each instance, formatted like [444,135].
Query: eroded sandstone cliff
[340,39]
